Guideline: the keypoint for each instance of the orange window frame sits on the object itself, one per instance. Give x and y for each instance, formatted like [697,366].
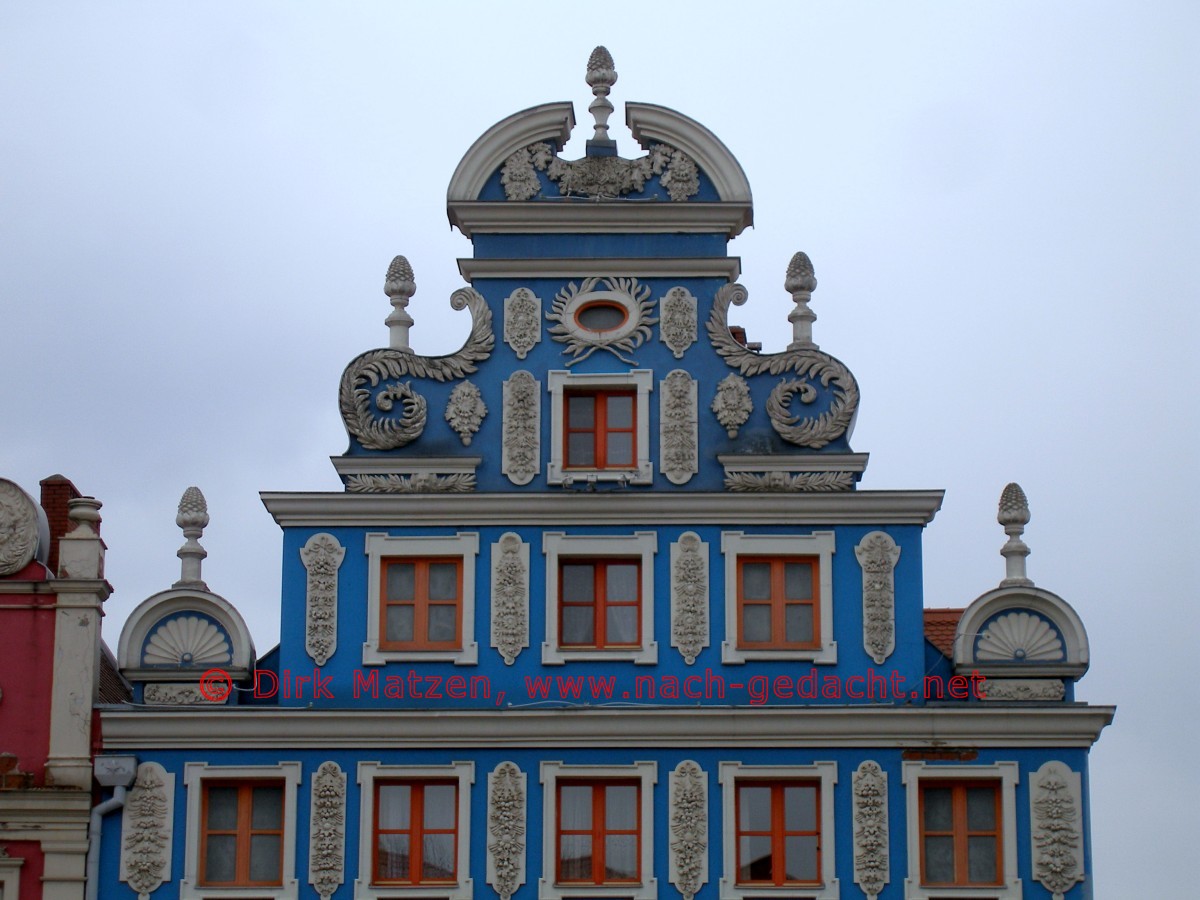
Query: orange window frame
[598,831]
[600,602]
[961,833]
[778,833]
[779,603]
[243,832]
[420,604]
[416,832]
[599,429]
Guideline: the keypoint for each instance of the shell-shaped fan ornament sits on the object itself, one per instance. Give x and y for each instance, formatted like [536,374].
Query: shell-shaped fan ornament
[187,641]
[1019,637]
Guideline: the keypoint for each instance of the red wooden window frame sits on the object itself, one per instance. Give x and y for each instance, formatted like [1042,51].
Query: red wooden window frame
[778,832]
[598,831]
[243,832]
[416,831]
[420,603]
[600,429]
[960,832]
[779,603]
[600,602]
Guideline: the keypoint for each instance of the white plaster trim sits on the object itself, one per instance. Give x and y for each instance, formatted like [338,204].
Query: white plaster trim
[642,544]
[194,773]
[10,876]
[789,463]
[678,421]
[322,555]
[647,774]
[877,555]
[729,773]
[652,124]
[688,816]
[464,772]
[872,850]
[147,829]
[547,122]
[1056,827]
[406,465]
[521,427]
[1007,773]
[689,596]
[557,381]
[1044,603]
[510,596]
[819,544]
[381,546]
[154,609]
[327,830]
[507,828]
[550,216]
[727,267]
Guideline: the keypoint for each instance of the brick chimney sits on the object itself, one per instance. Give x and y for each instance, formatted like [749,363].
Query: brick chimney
[57,493]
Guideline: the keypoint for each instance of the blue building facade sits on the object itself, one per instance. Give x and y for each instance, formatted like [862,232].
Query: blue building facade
[602,611]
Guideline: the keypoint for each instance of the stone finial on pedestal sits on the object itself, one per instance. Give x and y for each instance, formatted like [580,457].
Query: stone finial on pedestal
[800,283]
[601,76]
[399,286]
[80,551]
[1014,516]
[192,518]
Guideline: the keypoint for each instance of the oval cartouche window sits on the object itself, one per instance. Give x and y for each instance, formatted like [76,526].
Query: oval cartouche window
[599,317]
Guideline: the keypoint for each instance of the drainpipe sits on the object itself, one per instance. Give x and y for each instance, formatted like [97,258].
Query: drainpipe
[117,772]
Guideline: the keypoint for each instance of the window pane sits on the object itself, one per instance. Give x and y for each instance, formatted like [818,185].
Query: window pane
[267,810]
[581,412]
[220,861]
[756,623]
[800,807]
[620,411]
[438,857]
[393,862]
[443,581]
[621,581]
[576,857]
[797,581]
[395,802]
[222,808]
[581,450]
[801,858]
[756,581]
[981,860]
[754,859]
[578,625]
[619,448]
[440,805]
[264,857]
[981,809]
[754,808]
[399,623]
[620,807]
[401,581]
[576,811]
[621,857]
[578,583]
[939,860]
[443,619]
[798,623]
[621,625]
[601,317]
[939,815]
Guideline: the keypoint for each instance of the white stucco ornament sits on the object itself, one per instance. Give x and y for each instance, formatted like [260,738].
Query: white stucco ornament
[677,427]
[732,405]
[627,325]
[506,829]
[18,528]
[465,411]
[327,830]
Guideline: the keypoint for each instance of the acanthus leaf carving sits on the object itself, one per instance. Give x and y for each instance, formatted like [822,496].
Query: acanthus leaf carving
[870,828]
[689,828]
[1023,689]
[522,321]
[782,482]
[18,528]
[689,596]
[146,828]
[520,451]
[678,440]
[677,327]
[506,829]
[465,411]
[327,830]
[732,405]
[877,556]
[417,483]
[629,294]
[322,556]
[510,596]
[599,177]
[1054,812]
[161,694]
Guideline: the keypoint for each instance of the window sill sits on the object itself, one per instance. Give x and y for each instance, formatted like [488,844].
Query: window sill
[1010,891]
[831,890]
[639,656]
[374,656]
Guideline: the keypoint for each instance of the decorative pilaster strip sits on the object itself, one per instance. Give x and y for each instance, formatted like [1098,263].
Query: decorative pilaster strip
[689,595]
[520,453]
[677,427]
[510,596]
[1055,800]
[146,829]
[678,323]
[327,830]
[322,556]
[522,320]
[689,828]
[506,829]
[870,828]
[877,555]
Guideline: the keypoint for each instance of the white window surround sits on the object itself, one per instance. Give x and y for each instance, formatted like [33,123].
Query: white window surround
[819,544]
[647,775]
[464,545]
[194,775]
[368,772]
[1007,773]
[729,773]
[642,380]
[10,876]
[557,546]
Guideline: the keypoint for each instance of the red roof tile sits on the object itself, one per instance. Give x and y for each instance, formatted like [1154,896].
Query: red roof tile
[940,625]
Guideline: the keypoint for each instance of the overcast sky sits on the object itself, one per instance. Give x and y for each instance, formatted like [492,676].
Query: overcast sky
[198,202]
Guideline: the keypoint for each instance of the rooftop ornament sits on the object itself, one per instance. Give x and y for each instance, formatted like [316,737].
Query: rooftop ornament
[1014,516]
[800,283]
[192,518]
[399,286]
[601,76]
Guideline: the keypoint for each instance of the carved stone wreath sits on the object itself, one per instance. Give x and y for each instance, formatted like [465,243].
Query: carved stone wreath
[599,176]
[381,432]
[809,363]
[627,293]
[18,528]
[465,411]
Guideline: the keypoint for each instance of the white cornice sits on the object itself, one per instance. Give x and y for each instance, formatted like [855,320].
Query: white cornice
[568,507]
[224,728]
[794,462]
[570,216]
[727,267]
[406,465]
